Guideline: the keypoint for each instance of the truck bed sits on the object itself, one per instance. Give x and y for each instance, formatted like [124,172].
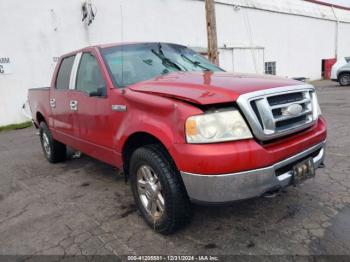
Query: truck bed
[39,102]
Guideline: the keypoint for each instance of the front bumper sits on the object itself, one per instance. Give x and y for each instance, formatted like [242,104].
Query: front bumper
[247,184]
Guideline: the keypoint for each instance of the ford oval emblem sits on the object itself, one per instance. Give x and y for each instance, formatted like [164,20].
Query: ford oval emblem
[292,110]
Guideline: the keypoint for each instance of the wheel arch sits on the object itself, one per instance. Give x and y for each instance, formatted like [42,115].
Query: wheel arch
[137,140]
[342,73]
[39,117]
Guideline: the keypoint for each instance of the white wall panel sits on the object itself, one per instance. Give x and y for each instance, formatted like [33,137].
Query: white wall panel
[33,33]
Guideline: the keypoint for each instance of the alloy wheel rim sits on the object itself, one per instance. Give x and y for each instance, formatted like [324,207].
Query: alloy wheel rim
[345,80]
[46,144]
[150,191]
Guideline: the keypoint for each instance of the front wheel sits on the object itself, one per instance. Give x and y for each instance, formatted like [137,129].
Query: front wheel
[158,190]
[54,150]
[344,79]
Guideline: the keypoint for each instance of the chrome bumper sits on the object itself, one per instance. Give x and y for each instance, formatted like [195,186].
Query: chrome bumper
[247,184]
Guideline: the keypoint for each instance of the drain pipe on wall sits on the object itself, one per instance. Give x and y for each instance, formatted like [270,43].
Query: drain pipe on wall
[336,33]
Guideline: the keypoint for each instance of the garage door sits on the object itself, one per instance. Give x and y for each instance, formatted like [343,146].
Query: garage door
[242,59]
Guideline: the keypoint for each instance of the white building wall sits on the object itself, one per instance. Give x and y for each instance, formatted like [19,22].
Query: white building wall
[344,40]
[297,44]
[33,33]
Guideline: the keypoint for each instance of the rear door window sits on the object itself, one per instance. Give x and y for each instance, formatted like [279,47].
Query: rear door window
[63,76]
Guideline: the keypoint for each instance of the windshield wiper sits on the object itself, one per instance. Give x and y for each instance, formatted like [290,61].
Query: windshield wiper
[165,60]
[196,63]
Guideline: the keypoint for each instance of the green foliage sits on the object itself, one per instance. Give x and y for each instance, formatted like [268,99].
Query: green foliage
[16,126]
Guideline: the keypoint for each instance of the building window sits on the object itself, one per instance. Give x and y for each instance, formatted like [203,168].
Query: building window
[270,68]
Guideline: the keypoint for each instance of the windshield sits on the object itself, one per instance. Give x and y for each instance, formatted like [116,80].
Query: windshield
[132,63]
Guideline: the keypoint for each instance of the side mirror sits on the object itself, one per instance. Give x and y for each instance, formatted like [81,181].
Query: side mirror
[98,92]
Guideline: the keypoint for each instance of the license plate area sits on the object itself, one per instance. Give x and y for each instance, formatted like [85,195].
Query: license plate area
[303,171]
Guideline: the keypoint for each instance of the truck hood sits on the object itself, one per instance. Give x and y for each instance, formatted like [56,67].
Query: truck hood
[206,88]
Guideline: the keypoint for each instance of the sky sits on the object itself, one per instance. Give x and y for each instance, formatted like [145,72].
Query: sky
[338,2]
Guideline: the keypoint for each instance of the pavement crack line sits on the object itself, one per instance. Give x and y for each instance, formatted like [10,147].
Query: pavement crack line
[120,243]
[24,209]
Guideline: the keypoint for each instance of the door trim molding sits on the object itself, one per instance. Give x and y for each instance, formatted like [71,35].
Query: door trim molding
[74,71]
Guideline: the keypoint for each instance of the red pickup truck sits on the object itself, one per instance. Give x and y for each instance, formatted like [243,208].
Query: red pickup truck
[180,128]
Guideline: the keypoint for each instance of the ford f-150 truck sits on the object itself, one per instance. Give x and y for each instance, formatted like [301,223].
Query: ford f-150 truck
[180,128]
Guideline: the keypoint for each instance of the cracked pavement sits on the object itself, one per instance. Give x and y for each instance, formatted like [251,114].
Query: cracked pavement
[83,206]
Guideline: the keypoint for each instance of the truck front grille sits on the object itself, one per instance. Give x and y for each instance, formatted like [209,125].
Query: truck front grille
[280,111]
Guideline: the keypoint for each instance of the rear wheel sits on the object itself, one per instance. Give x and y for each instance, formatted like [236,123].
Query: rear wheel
[54,151]
[158,190]
[344,79]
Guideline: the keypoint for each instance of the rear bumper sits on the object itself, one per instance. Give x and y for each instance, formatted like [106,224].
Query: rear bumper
[248,184]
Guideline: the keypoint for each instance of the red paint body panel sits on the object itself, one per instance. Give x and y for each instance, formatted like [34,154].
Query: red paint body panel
[39,103]
[209,88]
[160,108]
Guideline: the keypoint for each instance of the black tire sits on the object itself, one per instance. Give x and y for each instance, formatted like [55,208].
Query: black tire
[178,210]
[344,79]
[56,151]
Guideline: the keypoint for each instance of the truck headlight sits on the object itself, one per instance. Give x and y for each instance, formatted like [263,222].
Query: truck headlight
[218,126]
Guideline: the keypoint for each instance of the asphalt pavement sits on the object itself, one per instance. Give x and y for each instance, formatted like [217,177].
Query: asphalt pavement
[83,206]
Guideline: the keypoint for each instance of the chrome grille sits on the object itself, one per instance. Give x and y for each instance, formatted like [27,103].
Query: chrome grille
[279,111]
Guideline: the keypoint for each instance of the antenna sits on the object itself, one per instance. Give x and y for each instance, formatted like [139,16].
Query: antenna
[122,40]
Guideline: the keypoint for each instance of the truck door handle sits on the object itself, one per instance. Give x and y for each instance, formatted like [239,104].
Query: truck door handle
[53,102]
[73,105]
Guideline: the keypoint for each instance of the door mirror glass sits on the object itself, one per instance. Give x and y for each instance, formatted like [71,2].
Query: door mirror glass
[89,77]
